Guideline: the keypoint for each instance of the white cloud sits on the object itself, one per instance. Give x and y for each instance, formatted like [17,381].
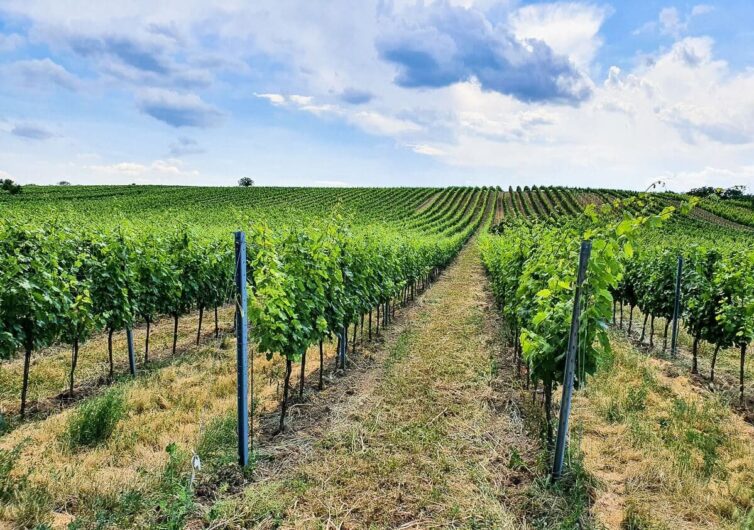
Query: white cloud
[178,109]
[669,118]
[709,176]
[427,150]
[671,22]
[375,122]
[682,113]
[371,121]
[9,42]
[41,74]
[569,28]
[157,168]
[275,99]
[701,9]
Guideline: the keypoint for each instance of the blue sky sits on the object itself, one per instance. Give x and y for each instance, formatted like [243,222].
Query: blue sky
[378,92]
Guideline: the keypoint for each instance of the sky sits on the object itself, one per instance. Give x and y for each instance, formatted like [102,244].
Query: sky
[378,92]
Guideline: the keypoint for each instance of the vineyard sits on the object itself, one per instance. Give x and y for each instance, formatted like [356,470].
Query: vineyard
[118,377]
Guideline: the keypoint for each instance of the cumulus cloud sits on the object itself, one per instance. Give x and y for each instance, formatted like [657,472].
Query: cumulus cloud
[41,74]
[709,176]
[151,55]
[178,110]
[439,44]
[569,28]
[160,168]
[469,82]
[371,121]
[32,131]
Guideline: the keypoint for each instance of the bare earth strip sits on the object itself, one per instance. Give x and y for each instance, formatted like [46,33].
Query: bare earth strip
[417,444]
[429,202]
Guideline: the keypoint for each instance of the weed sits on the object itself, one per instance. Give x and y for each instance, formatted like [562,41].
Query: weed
[30,504]
[33,507]
[637,519]
[613,412]
[9,484]
[563,504]
[264,502]
[175,499]
[695,433]
[219,441]
[94,421]
[636,399]
[515,461]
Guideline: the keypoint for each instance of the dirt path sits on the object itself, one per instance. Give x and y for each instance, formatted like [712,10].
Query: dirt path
[418,442]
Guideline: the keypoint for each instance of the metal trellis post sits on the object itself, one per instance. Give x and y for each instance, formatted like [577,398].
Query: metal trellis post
[241,350]
[131,354]
[570,367]
[676,308]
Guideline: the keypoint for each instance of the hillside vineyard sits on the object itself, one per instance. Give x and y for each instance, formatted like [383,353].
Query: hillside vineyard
[81,264]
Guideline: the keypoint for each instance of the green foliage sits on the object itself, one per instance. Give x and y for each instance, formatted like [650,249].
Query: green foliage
[34,288]
[219,441]
[695,434]
[94,421]
[564,504]
[175,500]
[636,519]
[9,484]
[7,185]
[533,271]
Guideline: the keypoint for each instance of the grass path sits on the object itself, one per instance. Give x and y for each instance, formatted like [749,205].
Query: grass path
[419,444]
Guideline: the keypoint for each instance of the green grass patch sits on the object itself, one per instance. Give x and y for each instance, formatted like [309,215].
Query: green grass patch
[637,519]
[695,434]
[94,421]
[218,444]
[565,504]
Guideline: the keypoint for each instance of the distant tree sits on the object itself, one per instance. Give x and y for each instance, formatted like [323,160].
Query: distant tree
[704,191]
[10,186]
[734,192]
[64,183]
[246,182]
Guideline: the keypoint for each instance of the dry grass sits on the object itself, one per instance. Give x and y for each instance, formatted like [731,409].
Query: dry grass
[419,445]
[170,405]
[667,455]
[50,367]
[726,367]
